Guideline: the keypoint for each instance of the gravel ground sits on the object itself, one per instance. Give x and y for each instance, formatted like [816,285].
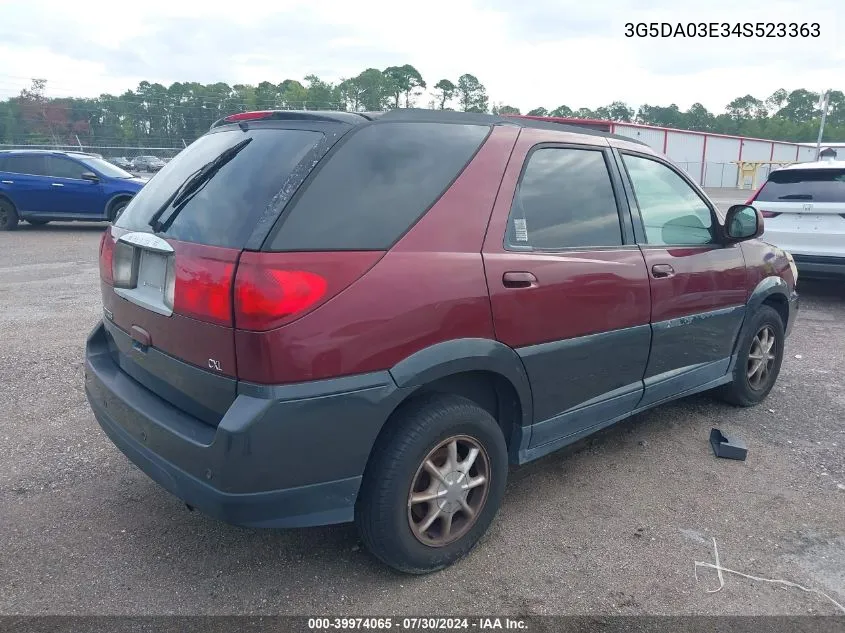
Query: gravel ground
[612,525]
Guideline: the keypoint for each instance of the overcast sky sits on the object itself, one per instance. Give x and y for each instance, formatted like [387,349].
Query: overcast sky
[527,53]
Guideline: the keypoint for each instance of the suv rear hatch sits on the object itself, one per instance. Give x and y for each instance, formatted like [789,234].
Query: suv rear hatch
[805,210]
[207,260]
[168,265]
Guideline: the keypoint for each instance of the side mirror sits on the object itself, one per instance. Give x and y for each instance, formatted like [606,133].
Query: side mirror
[743,222]
[91,176]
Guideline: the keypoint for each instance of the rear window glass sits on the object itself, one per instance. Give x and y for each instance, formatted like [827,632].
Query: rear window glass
[377,185]
[818,185]
[226,208]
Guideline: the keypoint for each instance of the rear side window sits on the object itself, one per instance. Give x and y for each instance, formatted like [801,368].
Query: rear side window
[58,167]
[817,185]
[376,186]
[564,200]
[226,207]
[32,164]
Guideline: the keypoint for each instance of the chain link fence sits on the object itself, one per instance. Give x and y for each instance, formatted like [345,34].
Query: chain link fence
[105,151]
[724,175]
[710,174]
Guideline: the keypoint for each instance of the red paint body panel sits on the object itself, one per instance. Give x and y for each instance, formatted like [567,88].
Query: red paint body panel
[428,288]
[187,339]
[764,261]
[706,279]
[407,302]
[577,292]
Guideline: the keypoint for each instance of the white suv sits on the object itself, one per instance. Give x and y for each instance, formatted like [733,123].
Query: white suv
[804,207]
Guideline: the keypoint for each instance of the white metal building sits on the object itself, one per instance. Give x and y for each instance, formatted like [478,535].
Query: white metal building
[710,159]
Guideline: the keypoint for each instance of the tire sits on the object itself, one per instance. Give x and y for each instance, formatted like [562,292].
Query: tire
[116,209]
[745,390]
[425,429]
[38,222]
[8,216]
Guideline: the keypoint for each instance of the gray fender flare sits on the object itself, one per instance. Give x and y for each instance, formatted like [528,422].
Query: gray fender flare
[767,287]
[462,355]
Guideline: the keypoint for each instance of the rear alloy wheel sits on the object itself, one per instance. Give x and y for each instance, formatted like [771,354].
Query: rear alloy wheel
[8,216]
[449,490]
[434,483]
[759,361]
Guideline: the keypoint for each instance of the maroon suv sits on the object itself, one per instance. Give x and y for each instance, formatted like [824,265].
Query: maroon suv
[314,318]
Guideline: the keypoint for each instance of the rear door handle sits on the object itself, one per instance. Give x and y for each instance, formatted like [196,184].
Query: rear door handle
[519,279]
[8,182]
[58,184]
[662,270]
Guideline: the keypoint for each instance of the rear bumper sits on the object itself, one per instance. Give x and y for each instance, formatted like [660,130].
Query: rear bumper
[282,456]
[819,266]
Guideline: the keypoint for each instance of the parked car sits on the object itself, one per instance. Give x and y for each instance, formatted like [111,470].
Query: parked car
[374,323]
[804,207]
[121,161]
[40,185]
[147,163]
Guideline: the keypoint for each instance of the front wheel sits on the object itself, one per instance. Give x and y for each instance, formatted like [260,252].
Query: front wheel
[760,357]
[434,485]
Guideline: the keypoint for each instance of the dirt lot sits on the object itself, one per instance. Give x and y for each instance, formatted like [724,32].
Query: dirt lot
[612,525]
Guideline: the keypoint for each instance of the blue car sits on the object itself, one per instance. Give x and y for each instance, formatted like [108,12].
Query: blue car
[42,185]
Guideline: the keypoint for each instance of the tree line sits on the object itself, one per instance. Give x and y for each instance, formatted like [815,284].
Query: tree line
[154,115]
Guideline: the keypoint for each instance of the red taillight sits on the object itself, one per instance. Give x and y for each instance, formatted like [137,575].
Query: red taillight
[266,297]
[107,256]
[769,214]
[203,283]
[249,116]
[272,289]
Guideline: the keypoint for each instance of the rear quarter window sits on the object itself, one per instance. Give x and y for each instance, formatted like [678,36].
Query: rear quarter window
[816,185]
[376,185]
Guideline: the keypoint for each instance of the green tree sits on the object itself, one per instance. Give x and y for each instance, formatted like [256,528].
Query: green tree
[776,101]
[538,112]
[403,80]
[293,95]
[699,118]
[562,111]
[472,95]
[619,111]
[800,106]
[506,109]
[836,108]
[445,91]
[746,108]
[321,95]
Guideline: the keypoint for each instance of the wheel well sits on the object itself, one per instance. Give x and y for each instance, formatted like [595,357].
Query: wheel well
[491,391]
[779,303]
[116,200]
[5,199]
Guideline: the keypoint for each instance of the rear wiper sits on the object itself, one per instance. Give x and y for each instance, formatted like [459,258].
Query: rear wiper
[179,198]
[796,196]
